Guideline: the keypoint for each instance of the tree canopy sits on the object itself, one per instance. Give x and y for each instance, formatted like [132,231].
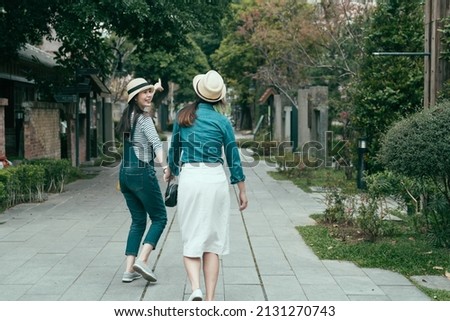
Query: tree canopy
[288,44]
[389,87]
[84,27]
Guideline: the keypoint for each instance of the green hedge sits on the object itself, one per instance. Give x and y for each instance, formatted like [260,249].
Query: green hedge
[57,173]
[3,194]
[28,181]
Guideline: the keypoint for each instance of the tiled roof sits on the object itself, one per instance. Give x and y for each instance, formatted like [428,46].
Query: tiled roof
[269,92]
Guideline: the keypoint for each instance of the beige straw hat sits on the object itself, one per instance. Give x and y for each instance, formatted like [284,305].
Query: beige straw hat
[137,85]
[210,86]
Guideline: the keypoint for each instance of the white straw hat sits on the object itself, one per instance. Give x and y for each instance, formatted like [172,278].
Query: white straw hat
[210,86]
[137,85]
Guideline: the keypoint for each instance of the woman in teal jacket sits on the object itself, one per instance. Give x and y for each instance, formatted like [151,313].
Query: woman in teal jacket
[200,137]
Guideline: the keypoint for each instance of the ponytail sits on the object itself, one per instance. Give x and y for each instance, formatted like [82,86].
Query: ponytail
[187,115]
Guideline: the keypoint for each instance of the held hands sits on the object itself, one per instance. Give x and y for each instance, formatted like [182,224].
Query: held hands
[167,174]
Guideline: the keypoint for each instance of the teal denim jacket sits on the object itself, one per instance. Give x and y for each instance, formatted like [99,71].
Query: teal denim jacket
[203,142]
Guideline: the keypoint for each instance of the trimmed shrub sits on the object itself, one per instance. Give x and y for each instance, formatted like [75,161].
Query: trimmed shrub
[29,181]
[3,195]
[419,147]
[57,173]
[25,184]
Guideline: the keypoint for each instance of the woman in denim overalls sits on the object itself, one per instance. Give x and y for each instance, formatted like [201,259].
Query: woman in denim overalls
[138,182]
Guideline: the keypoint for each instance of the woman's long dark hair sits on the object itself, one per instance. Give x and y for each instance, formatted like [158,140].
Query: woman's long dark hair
[124,125]
[187,115]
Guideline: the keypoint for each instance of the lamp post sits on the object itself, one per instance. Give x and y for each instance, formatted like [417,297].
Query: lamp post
[362,149]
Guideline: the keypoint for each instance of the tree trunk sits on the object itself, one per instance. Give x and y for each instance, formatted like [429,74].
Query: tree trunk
[246,118]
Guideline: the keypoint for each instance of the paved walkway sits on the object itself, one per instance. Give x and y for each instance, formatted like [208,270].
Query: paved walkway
[71,247]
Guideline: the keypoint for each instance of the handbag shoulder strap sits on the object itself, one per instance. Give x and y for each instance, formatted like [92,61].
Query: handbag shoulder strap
[168,183]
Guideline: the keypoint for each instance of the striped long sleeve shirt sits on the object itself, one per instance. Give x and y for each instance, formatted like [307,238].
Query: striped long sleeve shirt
[145,137]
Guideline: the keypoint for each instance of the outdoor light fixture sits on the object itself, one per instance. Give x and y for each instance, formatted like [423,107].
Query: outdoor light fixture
[362,143]
[19,114]
[362,149]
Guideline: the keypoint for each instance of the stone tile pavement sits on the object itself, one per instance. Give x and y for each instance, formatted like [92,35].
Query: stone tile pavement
[71,247]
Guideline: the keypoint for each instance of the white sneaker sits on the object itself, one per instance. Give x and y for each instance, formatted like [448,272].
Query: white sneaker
[197,295]
[130,277]
[143,269]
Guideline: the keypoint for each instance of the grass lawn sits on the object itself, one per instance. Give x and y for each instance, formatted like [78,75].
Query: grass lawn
[406,254]
[320,177]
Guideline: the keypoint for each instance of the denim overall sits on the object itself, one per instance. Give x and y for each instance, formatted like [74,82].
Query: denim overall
[139,186]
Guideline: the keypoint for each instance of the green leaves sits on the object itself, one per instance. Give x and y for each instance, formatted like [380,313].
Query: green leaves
[419,145]
[84,27]
[23,22]
[389,87]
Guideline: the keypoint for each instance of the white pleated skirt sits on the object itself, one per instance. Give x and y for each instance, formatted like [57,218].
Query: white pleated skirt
[203,209]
